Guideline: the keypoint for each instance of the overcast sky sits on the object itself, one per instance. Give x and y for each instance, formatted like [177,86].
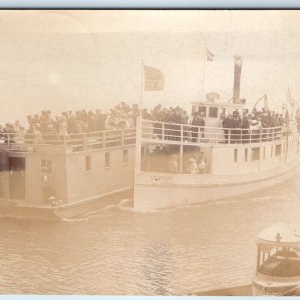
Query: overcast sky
[62,60]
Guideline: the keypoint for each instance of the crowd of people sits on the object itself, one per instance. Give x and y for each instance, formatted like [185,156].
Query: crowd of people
[124,116]
[236,126]
[250,126]
[68,122]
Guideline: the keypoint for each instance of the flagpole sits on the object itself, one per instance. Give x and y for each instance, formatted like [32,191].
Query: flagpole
[204,65]
[142,83]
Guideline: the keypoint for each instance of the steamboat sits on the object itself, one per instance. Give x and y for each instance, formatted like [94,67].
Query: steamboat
[163,164]
[178,164]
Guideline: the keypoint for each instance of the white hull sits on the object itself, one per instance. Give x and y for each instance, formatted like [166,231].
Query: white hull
[156,190]
[270,286]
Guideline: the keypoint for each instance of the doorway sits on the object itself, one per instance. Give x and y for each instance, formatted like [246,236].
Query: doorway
[16,167]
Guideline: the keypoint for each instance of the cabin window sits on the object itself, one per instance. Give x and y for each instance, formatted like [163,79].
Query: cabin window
[88,163]
[194,110]
[46,166]
[107,160]
[255,153]
[202,110]
[235,155]
[246,154]
[125,156]
[278,150]
[213,112]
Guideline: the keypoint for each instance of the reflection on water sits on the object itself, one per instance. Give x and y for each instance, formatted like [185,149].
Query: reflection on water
[117,251]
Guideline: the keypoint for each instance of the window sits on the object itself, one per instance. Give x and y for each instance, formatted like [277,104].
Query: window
[235,155]
[125,156]
[277,150]
[194,110]
[202,109]
[246,154]
[88,163]
[107,160]
[255,153]
[46,166]
[213,112]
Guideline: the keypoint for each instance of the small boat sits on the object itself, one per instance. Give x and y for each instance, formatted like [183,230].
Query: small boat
[278,262]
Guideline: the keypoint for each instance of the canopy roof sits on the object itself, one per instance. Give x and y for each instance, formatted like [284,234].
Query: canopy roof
[281,234]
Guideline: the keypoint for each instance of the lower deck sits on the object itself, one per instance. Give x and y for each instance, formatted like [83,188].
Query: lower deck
[50,177]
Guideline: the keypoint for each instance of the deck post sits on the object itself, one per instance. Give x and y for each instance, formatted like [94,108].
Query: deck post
[163,131]
[258,258]
[103,139]
[181,133]
[122,137]
[180,162]
[271,135]
[138,146]
[260,136]
[250,136]
[84,141]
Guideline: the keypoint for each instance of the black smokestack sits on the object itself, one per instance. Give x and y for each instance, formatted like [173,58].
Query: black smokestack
[237,78]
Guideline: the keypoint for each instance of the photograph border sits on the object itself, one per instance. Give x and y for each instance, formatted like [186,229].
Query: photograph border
[143,5]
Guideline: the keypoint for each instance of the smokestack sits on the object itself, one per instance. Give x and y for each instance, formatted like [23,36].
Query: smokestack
[237,79]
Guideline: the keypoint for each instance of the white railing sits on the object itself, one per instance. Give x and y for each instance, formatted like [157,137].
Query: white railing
[184,134]
[78,142]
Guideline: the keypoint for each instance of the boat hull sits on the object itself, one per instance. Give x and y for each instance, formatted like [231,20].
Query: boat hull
[66,211]
[156,191]
[272,287]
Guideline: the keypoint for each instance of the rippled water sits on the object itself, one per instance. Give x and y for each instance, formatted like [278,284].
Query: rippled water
[117,251]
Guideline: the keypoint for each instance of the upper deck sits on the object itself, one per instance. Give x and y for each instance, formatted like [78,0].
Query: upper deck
[177,134]
[104,140]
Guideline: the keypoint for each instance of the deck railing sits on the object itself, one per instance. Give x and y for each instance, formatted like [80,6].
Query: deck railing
[150,131]
[78,142]
[183,133]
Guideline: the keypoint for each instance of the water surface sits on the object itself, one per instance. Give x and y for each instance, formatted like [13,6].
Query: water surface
[116,251]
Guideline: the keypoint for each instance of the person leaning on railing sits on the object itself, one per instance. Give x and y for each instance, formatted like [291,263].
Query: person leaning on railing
[245,124]
[51,136]
[227,124]
[197,121]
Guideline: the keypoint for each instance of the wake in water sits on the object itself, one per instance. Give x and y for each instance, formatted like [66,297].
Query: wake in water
[108,210]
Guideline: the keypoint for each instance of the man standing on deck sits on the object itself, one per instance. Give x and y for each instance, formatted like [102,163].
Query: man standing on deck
[185,120]
[245,124]
[48,185]
[228,124]
[197,121]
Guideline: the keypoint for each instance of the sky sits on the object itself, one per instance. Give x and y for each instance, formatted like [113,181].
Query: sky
[68,60]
